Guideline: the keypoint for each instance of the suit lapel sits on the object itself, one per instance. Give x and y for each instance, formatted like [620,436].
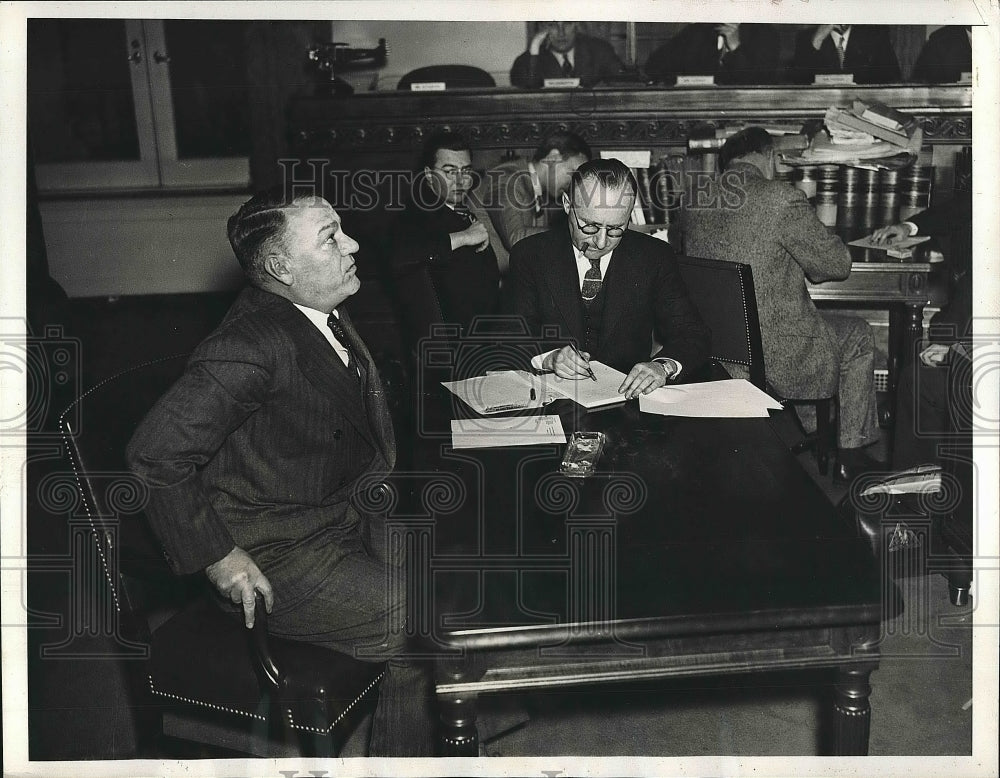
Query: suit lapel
[581,59]
[376,406]
[618,292]
[323,368]
[564,286]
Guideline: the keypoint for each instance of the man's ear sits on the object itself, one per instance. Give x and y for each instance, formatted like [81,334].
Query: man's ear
[428,173]
[277,267]
[565,203]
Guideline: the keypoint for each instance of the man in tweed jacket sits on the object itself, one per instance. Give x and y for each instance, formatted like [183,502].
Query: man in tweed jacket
[256,457]
[770,226]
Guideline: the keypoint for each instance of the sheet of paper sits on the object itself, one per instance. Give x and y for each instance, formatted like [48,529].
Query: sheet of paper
[588,393]
[904,243]
[506,431]
[734,398]
[498,392]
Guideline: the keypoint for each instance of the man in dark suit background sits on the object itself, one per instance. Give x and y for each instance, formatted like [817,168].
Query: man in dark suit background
[945,56]
[447,235]
[733,53]
[256,457]
[558,50]
[524,196]
[863,50]
[770,226]
[930,385]
[607,288]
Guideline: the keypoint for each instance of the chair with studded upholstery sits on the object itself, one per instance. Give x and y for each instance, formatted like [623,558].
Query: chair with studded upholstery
[205,684]
[723,292]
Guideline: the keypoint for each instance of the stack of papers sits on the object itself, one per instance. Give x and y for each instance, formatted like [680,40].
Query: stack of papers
[500,392]
[516,390]
[506,431]
[735,398]
[900,249]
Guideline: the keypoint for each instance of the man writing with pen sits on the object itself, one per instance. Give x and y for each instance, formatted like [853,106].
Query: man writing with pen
[608,289]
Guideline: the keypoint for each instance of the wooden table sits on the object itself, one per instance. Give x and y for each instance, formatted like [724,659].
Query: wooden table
[701,548]
[904,288]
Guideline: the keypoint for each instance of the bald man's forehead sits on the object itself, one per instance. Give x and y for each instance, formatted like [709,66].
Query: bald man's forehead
[590,193]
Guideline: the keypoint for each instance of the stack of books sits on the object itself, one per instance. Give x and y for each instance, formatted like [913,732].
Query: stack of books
[864,120]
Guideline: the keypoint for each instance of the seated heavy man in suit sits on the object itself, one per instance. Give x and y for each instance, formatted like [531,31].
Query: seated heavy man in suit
[524,197]
[863,50]
[254,457]
[557,50]
[607,288]
[770,226]
[445,234]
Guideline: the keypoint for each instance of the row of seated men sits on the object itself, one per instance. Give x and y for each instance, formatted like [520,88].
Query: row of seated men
[478,243]
[255,459]
[743,54]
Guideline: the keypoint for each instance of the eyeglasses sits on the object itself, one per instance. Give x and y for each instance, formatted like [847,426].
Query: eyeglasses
[612,231]
[455,172]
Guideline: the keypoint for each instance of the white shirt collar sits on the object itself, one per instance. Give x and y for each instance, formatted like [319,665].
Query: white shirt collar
[318,318]
[583,264]
[567,56]
[837,36]
[536,186]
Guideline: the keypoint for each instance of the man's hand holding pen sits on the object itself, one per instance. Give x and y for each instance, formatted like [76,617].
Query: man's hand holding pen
[568,362]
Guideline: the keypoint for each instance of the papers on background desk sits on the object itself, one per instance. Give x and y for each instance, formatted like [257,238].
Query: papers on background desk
[511,390]
[506,431]
[900,249]
[735,398]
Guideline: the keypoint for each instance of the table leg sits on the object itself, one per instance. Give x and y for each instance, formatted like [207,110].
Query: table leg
[914,330]
[852,712]
[458,736]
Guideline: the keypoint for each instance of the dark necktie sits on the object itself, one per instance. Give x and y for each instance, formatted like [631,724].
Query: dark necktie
[567,68]
[592,280]
[337,328]
[841,51]
[463,210]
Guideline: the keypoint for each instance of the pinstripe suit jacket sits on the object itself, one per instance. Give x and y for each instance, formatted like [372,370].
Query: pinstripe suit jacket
[771,226]
[261,443]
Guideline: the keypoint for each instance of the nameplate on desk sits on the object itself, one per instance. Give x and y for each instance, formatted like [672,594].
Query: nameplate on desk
[695,80]
[561,83]
[834,79]
[630,157]
[428,86]
[965,78]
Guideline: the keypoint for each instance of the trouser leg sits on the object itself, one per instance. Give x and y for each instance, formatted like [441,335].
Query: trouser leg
[358,607]
[921,414]
[858,424]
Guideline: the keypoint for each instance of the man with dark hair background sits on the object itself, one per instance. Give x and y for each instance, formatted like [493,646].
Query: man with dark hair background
[609,289]
[445,234]
[257,459]
[523,196]
[807,354]
[732,53]
[559,50]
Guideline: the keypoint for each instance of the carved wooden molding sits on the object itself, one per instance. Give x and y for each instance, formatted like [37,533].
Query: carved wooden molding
[372,135]
[498,119]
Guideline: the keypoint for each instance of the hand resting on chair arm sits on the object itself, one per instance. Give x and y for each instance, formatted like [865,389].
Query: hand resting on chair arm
[237,577]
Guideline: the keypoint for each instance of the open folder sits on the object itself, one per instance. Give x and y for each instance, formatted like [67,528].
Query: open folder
[515,390]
